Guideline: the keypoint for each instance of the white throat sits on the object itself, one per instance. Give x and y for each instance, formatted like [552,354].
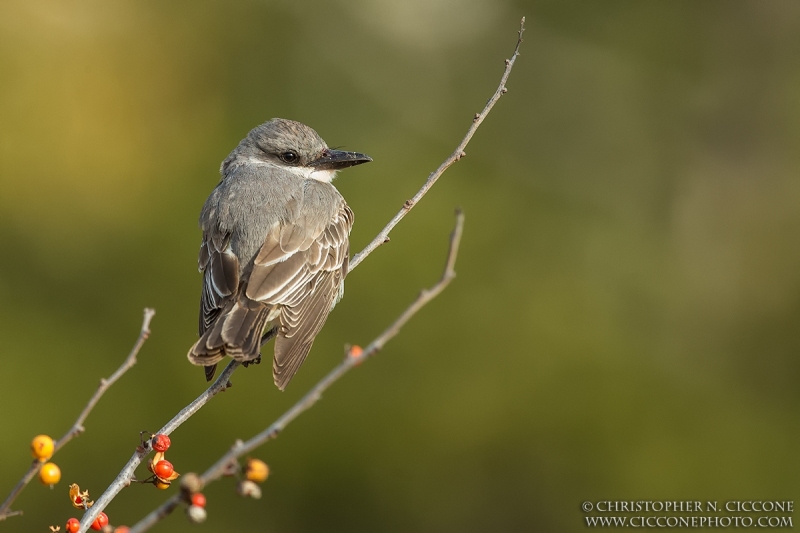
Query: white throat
[308,173]
[325,176]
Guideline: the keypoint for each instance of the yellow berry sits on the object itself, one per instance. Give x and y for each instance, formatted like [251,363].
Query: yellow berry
[42,447]
[161,484]
[50,474]
[257,470]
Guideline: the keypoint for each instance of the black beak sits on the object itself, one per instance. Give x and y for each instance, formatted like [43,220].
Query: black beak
[338,159]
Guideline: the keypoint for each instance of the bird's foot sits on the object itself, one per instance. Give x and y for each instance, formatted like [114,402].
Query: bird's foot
[256,361]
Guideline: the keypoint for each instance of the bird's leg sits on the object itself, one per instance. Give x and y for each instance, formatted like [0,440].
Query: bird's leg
[269,335]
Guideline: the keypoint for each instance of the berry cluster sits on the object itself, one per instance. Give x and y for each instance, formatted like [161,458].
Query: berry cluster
[42,448]
[163,471]
[256,471]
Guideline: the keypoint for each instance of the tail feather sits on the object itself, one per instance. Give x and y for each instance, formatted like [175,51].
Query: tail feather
[236,332]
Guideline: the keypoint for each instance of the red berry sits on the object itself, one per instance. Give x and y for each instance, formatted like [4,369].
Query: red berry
[100,522]
[164,469]
[198,499]
[161,443]
[73,525]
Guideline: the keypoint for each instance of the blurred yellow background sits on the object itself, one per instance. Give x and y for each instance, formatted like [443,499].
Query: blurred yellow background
[624,324]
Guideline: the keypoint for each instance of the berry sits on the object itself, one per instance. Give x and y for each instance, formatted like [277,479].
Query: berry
[122,529]
[50,474]
[191,483]
[163,469]
[247,488]
[356,351]
[73,525]
[195,514]
[100,522]
[161,443]
[42,447]
[257,470]
[161,485]
[198,499]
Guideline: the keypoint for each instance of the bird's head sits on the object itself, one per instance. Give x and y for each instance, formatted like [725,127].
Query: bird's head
[295,147]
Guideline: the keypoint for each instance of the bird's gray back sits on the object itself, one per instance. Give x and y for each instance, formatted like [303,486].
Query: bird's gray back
[252,198]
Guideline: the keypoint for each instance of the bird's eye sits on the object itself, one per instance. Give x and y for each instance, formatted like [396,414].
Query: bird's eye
[289,157]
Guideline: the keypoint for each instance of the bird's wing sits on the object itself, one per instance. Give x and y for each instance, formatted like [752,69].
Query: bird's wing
[220,268]
[300,267]
[300,324]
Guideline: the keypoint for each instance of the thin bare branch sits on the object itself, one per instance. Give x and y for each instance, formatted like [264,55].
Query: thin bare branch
[459,152]
[77,428]
[228,462]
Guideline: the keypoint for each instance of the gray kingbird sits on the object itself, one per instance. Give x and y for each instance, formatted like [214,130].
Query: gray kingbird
[275,248]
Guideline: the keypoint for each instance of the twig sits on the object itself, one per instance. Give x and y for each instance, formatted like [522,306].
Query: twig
[77,428]
[224,464]
[383,236]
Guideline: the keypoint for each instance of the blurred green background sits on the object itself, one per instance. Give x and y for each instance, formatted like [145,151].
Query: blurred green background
[624,324]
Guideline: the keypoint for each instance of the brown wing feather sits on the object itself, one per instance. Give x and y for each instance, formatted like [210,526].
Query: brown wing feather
[300,325]
[300,269]
[220,269]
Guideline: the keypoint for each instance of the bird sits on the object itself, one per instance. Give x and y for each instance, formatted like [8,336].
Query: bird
[275,248]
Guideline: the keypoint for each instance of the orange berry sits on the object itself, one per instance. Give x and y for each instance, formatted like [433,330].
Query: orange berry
[73,525]
[42,447]
[100,522]
[50,474]
[257,470]
[163,469]
[356,351]
[122,529]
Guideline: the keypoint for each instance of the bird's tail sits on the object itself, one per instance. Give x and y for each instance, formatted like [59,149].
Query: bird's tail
[236,332]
